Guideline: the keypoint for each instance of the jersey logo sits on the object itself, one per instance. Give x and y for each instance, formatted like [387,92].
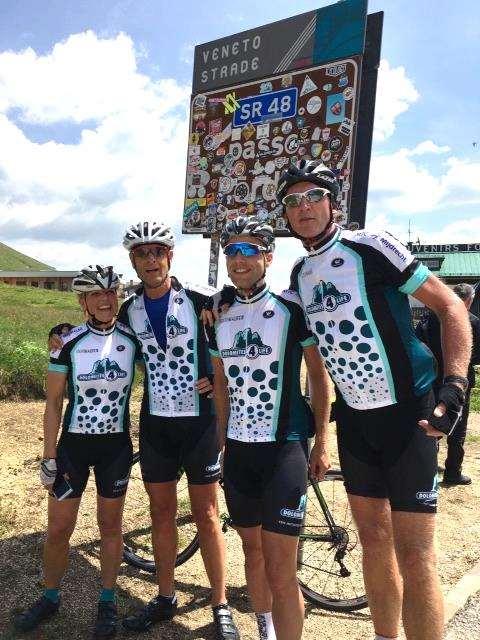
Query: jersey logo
[429,498]
[148,333]
[326,297]
[174,328]
[105,369]
[337,262]
[269,313]
[247,343]
[121,347]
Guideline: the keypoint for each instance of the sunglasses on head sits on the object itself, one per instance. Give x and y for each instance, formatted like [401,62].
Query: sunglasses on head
[157,252]
[244,248]
[312,195]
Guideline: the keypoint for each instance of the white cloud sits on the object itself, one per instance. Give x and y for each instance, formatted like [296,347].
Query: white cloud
[395,94]
[428,146]
[187,53]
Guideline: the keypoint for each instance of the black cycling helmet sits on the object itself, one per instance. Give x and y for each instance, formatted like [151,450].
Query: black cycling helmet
[308,171]
[248,226]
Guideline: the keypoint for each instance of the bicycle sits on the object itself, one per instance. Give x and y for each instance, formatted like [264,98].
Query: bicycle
[329,557]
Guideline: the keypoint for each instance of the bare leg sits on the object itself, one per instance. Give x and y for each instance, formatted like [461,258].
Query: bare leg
[62,516]
[255,575]
[414,544]
[203,498]
[381,574]
[163,510]
[288,611]
[109,517]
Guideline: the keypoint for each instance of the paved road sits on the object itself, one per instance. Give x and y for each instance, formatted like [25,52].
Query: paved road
[465,625]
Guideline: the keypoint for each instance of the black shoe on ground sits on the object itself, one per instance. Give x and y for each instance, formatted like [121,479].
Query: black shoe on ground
[461,479]
[40,611]
[157,610]
[224,625]
[107,618]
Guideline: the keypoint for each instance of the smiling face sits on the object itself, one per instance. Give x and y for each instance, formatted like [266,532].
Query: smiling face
[309,219]
[152,264]
[103,305]
[246,271]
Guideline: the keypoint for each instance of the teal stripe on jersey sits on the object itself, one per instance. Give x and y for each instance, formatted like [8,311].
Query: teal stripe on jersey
[419,355]
[309,342]
[281,350]
[59,368]
[368,313]
[416,280]
[195,351]
[214,353]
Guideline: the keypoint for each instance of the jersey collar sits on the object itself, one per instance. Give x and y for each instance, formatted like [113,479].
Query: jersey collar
[101,332]
[327,243]
[263,290]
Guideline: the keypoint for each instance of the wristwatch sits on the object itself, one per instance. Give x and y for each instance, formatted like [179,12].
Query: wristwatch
[458,380]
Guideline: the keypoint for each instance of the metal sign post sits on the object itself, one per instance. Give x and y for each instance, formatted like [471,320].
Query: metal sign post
[213,260]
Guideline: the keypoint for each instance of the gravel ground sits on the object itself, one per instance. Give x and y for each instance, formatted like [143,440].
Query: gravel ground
[465,625]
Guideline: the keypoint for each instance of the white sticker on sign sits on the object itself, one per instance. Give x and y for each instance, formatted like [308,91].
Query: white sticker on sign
[263,131]
[314,105]
[308,86]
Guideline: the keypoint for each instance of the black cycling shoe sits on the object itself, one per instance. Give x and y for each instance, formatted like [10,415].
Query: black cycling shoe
[107,618]
[157,610]
[224,625]
[41,610]
[459,479]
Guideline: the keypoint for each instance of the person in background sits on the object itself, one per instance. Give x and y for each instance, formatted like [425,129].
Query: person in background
[428,330]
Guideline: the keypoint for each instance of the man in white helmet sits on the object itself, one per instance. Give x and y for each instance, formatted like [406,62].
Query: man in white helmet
[354,286]
[177,425]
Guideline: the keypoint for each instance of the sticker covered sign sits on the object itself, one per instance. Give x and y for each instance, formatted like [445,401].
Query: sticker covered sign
[243,137]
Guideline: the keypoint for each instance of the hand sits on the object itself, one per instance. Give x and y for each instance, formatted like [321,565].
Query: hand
[319,461]
[55,343]
[48,472]
[439,411]
[203,386]
[209,316]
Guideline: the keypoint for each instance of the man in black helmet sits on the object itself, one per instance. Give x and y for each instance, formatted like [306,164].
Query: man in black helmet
[353,286]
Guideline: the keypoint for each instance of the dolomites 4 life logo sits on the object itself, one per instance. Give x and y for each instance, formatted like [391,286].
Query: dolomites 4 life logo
[247,343]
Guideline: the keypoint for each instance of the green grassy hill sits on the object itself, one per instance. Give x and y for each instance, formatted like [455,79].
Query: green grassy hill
[11,260]
[26,315]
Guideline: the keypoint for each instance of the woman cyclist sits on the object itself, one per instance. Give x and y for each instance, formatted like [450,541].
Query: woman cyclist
[96,365]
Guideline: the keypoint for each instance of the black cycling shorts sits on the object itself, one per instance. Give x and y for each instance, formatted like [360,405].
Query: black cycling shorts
[168,445]
[266,484]
[385,454]
[110,455]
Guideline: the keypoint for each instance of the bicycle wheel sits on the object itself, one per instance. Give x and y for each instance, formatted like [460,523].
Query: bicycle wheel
[137,539]
[329,565]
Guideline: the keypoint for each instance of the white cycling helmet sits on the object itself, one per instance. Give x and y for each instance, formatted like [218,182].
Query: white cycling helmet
[95,278]
[148,232]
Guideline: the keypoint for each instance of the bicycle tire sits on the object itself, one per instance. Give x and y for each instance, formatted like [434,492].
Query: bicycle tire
[328,551]
[137,549]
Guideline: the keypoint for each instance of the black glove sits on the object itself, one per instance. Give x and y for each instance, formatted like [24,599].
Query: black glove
[227,295]
[453,398]
[59,329]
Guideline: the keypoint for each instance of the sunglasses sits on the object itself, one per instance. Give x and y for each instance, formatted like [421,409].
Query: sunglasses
[312,195]
[244,248]
[156,252]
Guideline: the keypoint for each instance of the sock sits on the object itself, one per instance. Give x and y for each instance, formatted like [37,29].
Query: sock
[170,599]
[377,637]
[52,594]
[107,595]
[266,630]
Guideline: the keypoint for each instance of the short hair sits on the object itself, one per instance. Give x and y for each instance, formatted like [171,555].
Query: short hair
[464,291]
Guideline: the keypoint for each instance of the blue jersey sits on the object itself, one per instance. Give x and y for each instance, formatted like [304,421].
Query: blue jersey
[354,291]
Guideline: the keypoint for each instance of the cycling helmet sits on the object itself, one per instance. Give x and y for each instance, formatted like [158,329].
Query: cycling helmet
[248,226]
[308,171]
[95,278]
[148,232]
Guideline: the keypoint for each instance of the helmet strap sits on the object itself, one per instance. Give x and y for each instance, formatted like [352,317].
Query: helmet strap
[95,322]
[257,286]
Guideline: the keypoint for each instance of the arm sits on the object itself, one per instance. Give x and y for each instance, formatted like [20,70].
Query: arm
[221,399]
[319,385]
[53,412]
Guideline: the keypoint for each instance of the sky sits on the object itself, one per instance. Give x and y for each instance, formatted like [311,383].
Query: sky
[94,100]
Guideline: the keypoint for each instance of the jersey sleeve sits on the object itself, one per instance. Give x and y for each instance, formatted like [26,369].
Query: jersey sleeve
[300,323]
[212,341]
[397,265]
[60,360]
[293,286]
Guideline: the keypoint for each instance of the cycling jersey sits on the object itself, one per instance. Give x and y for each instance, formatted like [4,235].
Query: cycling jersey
[260,343]
[170,375]
[100,367]
[354,292]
